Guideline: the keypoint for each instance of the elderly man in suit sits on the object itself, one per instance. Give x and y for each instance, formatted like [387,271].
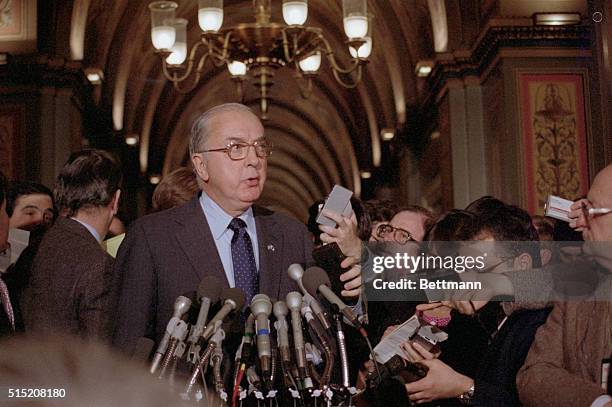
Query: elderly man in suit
[220,233]
[69,290]
[566,364]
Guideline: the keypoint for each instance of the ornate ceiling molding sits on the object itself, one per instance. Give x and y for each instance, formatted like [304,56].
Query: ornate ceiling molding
[503,34]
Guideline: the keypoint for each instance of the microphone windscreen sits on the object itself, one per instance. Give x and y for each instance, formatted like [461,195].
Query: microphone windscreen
[210,287]
[313,278]
[236,295]
[142,350]
[190,295]
[261,304]
[295,272]
[280,309]
[182,304]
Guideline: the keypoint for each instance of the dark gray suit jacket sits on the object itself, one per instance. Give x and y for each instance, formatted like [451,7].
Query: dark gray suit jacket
[70,284]
[167,254]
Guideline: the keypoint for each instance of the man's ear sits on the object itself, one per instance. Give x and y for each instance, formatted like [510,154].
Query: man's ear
[200,167]
[115,202]
[546,256]
[524,261]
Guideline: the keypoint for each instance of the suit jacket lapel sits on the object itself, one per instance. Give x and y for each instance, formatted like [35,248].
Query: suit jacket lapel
[198,244]
[270,251]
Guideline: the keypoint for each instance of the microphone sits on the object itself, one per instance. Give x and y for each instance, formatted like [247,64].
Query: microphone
[316,280]
[215,341]
[294,302]
[296,273]
[243,353]
[282,330]
[342,348]
[234,299]
[261,306]
[209,291]
[176,338]
[181,306]
[325,343]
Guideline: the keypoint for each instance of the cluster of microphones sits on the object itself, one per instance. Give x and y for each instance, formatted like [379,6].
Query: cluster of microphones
[299,359]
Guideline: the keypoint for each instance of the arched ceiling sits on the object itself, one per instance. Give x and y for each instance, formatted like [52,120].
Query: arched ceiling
[326,139]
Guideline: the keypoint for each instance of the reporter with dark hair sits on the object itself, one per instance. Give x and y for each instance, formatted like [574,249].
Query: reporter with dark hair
[29,204]
[69,289]
[493,383]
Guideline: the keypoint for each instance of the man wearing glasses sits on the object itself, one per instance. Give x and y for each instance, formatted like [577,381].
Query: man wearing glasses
[219,234]
[569,362]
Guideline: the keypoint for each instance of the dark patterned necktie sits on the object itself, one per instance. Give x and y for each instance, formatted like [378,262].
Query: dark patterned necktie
[243,259]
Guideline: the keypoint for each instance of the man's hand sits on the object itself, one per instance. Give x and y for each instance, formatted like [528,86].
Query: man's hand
[416,353]
[578,215]
[463,307]
[353,282]
[441,382]
[345,235]
[389,329]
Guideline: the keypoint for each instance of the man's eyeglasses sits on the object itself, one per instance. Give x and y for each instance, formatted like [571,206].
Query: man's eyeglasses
[237,150]
[401,236]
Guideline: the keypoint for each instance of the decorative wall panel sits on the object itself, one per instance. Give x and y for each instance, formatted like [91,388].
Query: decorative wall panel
[552,116]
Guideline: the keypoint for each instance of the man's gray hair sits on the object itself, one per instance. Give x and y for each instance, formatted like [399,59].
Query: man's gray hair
[200,131]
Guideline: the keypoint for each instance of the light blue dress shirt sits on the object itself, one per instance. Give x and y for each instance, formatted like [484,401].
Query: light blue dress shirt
[91,229]
[218,221]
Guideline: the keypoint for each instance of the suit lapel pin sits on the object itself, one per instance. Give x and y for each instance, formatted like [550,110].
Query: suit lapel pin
[271,247]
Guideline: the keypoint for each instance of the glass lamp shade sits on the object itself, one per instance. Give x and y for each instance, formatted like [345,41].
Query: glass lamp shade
[179,49]
[295,12]
[355,20]
[163,34]
[237,68]
[210,14]
[364,50]
[311,64]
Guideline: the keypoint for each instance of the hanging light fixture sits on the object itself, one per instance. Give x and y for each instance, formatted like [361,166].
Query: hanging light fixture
[256,50]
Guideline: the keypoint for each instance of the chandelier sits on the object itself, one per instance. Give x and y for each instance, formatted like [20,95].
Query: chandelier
[258,49]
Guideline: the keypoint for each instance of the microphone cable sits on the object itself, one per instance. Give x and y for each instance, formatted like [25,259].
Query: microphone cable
[237,384]
[373,356]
